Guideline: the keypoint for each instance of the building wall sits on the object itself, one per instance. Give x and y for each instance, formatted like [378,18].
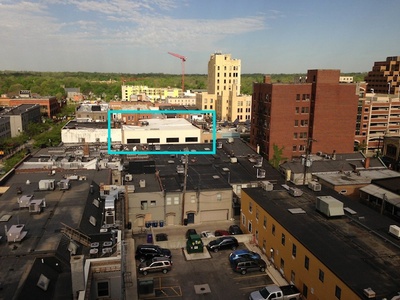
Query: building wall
[384,76]
[48,106]
[277,244]
[90,135]
[379,115]
[290,115]
[223,72]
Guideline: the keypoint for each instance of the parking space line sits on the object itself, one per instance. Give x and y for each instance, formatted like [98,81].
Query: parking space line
[249,276]
[255,287]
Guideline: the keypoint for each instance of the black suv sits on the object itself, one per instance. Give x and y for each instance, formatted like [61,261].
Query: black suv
[147,252]
[235,229]
[225,242]
[244,265]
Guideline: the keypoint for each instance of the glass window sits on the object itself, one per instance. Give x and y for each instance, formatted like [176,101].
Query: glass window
[338,292]
[294,250]
[169,200]
[176,200]
[283,239]
[265,222]
[306,262]
[102,289]
[143,205]
[273,229]
[305,290]
[321,275]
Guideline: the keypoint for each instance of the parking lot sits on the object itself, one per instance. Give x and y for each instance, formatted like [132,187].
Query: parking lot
[204,278]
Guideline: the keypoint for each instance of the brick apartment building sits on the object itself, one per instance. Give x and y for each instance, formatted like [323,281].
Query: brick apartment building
[384,77]
[318,111]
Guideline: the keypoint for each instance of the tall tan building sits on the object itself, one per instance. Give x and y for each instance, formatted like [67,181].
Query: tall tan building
[384,77]
[223,90]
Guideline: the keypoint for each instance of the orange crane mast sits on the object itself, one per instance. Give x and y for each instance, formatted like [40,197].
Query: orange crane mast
[183,59]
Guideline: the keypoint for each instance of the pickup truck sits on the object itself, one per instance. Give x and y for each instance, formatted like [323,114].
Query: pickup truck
[273,291]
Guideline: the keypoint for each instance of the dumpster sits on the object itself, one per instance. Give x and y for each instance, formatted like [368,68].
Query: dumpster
[149,238]
[154,223]
[194,244]
[161,222]
[147,224]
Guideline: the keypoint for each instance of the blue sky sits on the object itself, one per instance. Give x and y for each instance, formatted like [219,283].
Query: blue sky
[129,36]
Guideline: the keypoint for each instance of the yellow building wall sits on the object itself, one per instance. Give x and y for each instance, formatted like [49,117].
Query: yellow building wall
[272,247]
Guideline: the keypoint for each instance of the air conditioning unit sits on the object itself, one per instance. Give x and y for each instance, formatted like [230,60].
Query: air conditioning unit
[394,230]
[315,186]
[128,177]
[267,186]
[233,160]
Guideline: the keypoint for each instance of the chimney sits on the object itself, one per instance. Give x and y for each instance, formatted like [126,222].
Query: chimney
[366,162]
[78,273]
[267,79]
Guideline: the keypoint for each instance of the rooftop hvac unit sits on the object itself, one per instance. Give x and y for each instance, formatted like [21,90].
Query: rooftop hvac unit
[64,184]
[230,140]
[180,169]
[219,145]
[315,186]
[261,173]
[128,177]
[329,206]
[142,183]
[295,192]
[267,186]
[110,218]
[394,230]
[46,184]
[233,160]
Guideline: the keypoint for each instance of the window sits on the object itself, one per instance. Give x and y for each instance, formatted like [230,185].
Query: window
[176,200]
[296,123]
[192,199]
[153,140]
[191,139]
[103,289]
[321,275]
[297,97]
[304,122]
[153,203]
[244,220]
[169,201]
[306,262]
[294,148]
[265,222]
[295,135]
[219,197]
[292,277]
[143,205]
[250,207]
[338,292]
[173,140]
[297,110]
[273,229]
[305,290]
[250,227]
[294,250]
[257,214]
[283,239]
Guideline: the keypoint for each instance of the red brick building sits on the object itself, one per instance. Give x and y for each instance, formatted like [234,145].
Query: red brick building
[49,106]
[317,111]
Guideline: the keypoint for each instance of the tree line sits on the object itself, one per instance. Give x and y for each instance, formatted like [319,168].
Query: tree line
[108,85]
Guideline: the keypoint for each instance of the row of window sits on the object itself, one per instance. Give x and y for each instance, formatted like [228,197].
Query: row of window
[304,97]
[302,123]
[144,204]
[303,110]
[157,140]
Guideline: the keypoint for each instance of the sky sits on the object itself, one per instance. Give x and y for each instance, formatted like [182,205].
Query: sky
[135,36]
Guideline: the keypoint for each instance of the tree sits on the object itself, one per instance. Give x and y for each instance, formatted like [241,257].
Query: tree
[277,157]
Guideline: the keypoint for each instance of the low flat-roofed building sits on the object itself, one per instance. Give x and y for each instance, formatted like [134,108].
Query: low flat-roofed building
[162,131]
[21,116]
[351,256]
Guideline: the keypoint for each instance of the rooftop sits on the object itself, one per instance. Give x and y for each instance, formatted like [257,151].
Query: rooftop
[357,248]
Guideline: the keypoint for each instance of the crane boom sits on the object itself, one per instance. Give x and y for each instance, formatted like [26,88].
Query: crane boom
[183,59]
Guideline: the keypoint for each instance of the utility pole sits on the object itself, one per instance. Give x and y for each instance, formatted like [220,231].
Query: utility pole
[308,150]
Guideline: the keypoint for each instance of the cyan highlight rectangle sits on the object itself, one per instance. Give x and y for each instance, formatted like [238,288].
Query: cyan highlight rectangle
[191,112]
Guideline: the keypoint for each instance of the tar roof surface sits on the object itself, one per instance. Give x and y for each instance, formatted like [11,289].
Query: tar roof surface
[358,249]
[44,229]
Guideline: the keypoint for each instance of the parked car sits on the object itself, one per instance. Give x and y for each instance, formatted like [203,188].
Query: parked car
[147,252]
[244,265]
[243,253]
[207,234]
[220,232]
[225,242]
[235,229]
[190,232]
[157,264]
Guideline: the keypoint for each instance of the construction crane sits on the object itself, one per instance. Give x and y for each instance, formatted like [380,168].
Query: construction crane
[183,58]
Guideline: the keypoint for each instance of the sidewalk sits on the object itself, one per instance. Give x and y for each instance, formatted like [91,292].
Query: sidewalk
[271,270]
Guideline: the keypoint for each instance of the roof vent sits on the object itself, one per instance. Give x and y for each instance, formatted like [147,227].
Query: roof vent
[369,293]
